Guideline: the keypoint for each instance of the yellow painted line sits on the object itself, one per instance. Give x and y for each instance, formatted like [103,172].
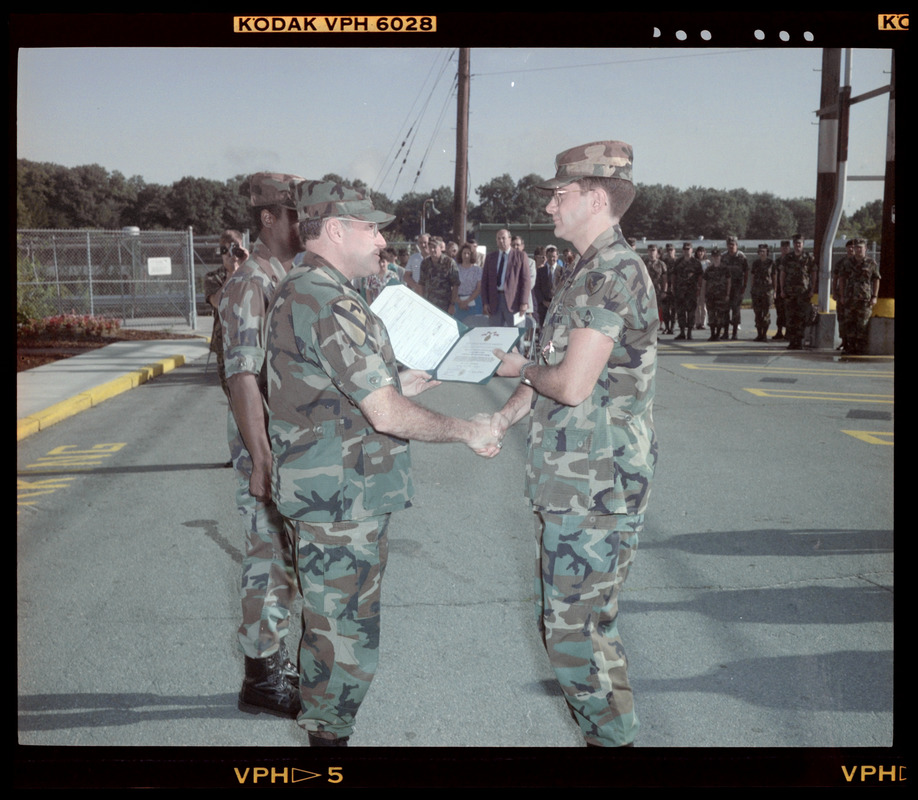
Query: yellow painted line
[27,489]
[796,394]
[790,370]
[872,437]
[74,405]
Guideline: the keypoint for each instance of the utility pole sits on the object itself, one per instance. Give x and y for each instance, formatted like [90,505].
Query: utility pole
[834,112]
[460,191]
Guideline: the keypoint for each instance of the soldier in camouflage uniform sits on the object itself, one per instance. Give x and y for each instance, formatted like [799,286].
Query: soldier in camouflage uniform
[763,272]
[439,277]
[780,305]
[667,300]
[268,578]
[233,256]
[592,448]
[686,284]
[841,268]
[339,424]
[859,285]
[796,281]
[735,261]
[656,268]
[717,295]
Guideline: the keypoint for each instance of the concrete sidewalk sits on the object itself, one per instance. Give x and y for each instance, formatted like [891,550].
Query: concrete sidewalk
[52,392]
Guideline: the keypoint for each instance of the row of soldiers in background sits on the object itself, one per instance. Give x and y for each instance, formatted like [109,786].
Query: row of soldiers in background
[688,286]
[455,278]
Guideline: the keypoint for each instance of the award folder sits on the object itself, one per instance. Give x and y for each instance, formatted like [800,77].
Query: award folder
[424,337]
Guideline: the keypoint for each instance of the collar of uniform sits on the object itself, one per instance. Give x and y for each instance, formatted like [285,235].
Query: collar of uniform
[313,261]
[607,237]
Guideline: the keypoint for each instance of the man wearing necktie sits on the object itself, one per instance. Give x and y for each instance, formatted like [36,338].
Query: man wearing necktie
[505,282]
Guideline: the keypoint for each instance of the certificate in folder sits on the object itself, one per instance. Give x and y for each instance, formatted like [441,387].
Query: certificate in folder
[424,337]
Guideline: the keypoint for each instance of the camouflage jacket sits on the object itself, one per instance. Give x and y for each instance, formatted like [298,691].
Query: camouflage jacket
[656,267]
[739,271]
[796,271]
[213,283]
[763,274]
[599,457]
[243,306]
[715,281]
[439,277]
[327,352]
[686,277]
[859,277]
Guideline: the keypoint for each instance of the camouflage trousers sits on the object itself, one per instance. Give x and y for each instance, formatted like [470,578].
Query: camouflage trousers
[796,309]
[780,313]
[857,317]
[268,586]
[581,566]
[761,307]
[718,311]
[736,306]
[341,566]
[685,311]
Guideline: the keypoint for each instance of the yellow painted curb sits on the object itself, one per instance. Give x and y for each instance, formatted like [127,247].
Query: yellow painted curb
[84,400]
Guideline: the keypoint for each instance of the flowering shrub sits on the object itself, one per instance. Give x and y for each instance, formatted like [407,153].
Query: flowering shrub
[69,326]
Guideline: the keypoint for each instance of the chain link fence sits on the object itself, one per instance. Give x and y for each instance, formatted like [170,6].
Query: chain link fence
[144,278]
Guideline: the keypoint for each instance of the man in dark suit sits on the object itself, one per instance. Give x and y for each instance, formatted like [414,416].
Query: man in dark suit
[505,282]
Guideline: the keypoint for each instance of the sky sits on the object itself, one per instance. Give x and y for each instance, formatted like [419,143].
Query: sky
[712,117]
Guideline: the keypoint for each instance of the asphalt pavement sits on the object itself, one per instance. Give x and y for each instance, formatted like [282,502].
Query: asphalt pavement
[758,616]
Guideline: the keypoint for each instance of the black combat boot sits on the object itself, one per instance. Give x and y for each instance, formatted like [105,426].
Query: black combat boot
[267,688]
[289,668]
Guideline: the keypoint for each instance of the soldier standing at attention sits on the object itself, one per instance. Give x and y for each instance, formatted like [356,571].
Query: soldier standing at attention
[667,301]
[780,305]
[592,449]
[717,295]
[840,268]
[686,285]
[763,272]
[268,579]
[439,277]
[858,285]
[656,267]
[339,425]
[796,279]
[735,261]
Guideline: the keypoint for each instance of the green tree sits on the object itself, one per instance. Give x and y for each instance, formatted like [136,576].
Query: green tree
[867,221]
[715,214]
[803,210]
[497,201]
[769,218]
[196,202]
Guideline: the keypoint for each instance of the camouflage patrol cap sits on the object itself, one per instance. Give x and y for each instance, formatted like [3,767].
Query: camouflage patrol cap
[319,199]
[798,237]
[715,251]
[686,245]
[763,246]
[858,241]
[731,240]
[595,160]
[273,189]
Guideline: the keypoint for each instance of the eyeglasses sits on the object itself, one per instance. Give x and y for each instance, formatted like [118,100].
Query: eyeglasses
[373,229]
[558,194]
